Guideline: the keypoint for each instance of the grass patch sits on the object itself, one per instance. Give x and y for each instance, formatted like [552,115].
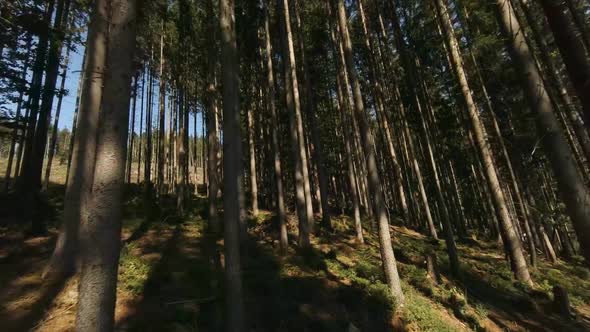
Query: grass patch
[133,271]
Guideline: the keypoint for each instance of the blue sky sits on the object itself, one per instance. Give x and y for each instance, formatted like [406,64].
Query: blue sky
[69,100]
[72,78]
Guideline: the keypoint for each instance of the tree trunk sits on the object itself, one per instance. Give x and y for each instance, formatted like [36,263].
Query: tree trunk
[19,121]
[51,74]
[311,110]
[252,160]
[212,122]
[510,236]
[276,151]
[513,180]
[579,18]
[572,51]
[147,166]
[140,147]
[232,166]
[352,183]
[572,189]
[132,128]
[81,81]
[161,118]
[83,147]
[182,148]
[100,231]
[55,128]
[375,77]
[554,77]
[25,183]
[376,192]
[295,123]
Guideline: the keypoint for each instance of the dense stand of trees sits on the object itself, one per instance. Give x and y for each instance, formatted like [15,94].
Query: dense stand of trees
[415,113]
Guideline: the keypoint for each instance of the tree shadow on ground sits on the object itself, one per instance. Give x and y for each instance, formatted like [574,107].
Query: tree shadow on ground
[508,304]
[177,285]
[26,319]
[24,295]
[531,310]
[185,290]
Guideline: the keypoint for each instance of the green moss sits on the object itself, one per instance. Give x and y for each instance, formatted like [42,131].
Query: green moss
[133,271]
[571,276]
[368,271]
[420,315]
[379,296]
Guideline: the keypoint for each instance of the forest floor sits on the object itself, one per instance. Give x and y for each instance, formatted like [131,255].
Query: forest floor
[170,279]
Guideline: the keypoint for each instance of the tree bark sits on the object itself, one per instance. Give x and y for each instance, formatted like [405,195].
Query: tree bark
[572,189]
[511,239]
[147,166]
[25,182]
[51,74]
[554,77]
[376,79]
[161,118]
[100,231]
[19,121]
[140,147]
[252,160]
[81,81]
[132,128]
[53,141]
[232,166]
[311,110]
[572,51]
[212,122]
[376,192]
[83,147]
[295,123]
[276,151]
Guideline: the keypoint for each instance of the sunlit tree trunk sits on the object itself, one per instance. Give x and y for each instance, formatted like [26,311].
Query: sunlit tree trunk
[252,160]
[343,108]
[376,79]
[511,239]
[295,124]
[376,192]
